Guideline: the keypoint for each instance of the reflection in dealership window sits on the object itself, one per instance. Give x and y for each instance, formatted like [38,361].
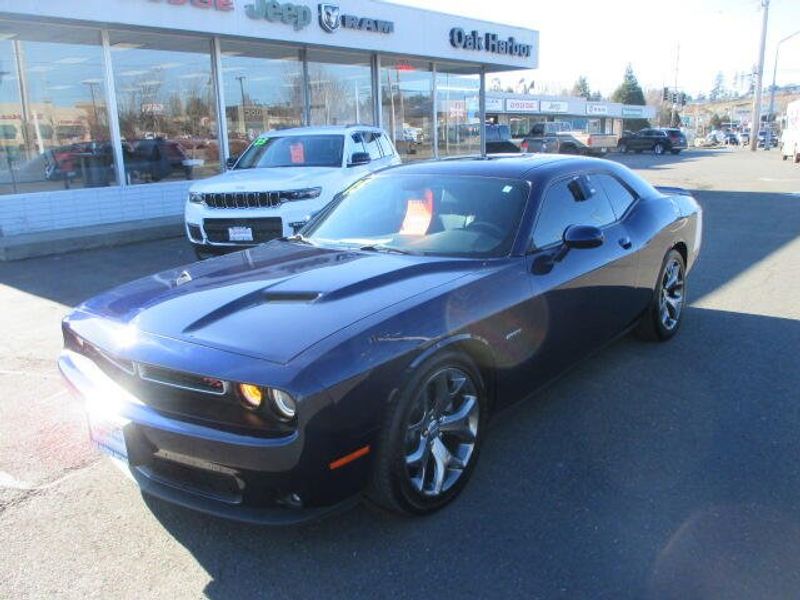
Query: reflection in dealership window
[263,91]
[166,100]
[54,130]
[458,111]
[340,87]
[407,99]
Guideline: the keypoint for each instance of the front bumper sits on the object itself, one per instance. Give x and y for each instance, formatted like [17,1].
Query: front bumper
[245,478]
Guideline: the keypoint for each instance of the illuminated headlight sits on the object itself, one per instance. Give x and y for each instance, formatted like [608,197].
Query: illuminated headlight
[284,404]
[281,403]
[195,197]
[306,194]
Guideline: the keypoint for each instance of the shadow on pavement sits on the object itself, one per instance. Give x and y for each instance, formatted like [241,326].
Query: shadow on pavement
[70,279]
[653,470]
[648,161]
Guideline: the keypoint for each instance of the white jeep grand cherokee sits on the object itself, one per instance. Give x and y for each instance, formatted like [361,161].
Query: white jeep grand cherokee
[279,181]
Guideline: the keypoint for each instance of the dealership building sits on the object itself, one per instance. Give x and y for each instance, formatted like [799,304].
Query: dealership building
[109,109]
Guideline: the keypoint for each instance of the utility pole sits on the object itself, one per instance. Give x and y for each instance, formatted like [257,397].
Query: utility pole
[759,80]
[768,140]
[674,115]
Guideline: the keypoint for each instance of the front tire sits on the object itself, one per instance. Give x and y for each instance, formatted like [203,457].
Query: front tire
[663,317]
[623,148]
[658,149]
[431,437]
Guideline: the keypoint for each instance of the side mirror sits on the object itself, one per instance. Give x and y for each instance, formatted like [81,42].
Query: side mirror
[359,158]
[582,237]
[231,162]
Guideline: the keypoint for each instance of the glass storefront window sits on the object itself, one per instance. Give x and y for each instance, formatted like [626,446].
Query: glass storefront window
[457,112]
[166,104]
[54,130]
[407,101]
[263,91]
[340,86]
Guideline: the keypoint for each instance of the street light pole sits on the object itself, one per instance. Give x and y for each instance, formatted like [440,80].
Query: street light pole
[759,80]
[768,141]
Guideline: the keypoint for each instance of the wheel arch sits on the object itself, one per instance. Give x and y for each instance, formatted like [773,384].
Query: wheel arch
[476,348]
[683,250]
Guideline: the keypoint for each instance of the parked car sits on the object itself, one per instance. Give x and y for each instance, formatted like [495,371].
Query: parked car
[762,139]
[655,140]
[498,140]
[278,182]
[559,137]
[156,159]
[743,137]
[731,139]
[366,355]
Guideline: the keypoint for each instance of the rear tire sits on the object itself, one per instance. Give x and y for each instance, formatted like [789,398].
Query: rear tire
[675,151]
[623,148]
[431,437]
[663,317]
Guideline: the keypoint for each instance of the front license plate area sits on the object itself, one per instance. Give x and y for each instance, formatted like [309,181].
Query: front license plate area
[240,234]
[107,436]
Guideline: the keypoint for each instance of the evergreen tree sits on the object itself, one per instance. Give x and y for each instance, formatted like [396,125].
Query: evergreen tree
[581,88]
[718,91]
[630,92]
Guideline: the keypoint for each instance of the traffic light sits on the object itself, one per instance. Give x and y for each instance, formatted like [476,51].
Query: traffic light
[683,99]
[674,97]
[665,96]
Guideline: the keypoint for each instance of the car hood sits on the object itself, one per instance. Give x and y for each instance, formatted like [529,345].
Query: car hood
[267,179]
[273,301]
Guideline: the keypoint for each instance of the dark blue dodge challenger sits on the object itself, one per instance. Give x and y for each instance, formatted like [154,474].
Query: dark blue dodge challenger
[366,355]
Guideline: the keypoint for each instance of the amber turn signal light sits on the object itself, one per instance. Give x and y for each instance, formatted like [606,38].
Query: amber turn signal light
[252,395]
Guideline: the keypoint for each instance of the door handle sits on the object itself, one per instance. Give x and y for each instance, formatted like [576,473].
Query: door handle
[625,242]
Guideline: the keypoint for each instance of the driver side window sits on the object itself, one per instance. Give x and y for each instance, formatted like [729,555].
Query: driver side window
[563,205]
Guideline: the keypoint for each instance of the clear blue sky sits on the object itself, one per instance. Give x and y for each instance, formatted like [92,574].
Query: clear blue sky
[598,38]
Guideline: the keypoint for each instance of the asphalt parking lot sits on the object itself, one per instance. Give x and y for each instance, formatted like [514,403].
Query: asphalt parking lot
[663,471]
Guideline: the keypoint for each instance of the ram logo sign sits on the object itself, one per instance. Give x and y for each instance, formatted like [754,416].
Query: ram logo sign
[331,20]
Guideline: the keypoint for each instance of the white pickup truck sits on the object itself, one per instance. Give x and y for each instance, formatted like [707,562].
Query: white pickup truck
[278,182]
[559,137]
[790,138]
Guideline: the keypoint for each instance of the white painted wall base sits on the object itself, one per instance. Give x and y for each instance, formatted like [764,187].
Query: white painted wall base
[65,209]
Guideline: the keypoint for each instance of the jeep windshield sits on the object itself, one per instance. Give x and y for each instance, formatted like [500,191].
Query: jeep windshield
[293,151]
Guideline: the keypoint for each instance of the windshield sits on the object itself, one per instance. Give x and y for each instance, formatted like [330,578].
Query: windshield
[426,214]
[293,151]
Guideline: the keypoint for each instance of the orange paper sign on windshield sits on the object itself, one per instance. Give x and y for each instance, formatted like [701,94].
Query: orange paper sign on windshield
[298,154]
[419,213]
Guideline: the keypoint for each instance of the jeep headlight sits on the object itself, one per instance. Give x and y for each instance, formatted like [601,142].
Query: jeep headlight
[305,194]
[195,197]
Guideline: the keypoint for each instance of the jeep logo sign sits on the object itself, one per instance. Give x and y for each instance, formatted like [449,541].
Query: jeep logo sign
[489,42]
[289,14]
[330,20]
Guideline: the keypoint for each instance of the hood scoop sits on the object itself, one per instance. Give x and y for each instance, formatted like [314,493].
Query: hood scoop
[249,301]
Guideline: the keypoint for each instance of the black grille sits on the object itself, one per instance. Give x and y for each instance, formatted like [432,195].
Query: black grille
[243,199]
[264,229]
[186,381]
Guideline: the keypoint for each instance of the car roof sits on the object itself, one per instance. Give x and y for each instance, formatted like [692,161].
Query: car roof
[323,130]
[512,166]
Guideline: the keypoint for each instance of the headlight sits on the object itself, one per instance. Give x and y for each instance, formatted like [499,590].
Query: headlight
[306,194]
[281,403]
[195,197]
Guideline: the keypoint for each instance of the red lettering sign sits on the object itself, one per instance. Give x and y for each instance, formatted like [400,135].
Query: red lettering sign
[224,5]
